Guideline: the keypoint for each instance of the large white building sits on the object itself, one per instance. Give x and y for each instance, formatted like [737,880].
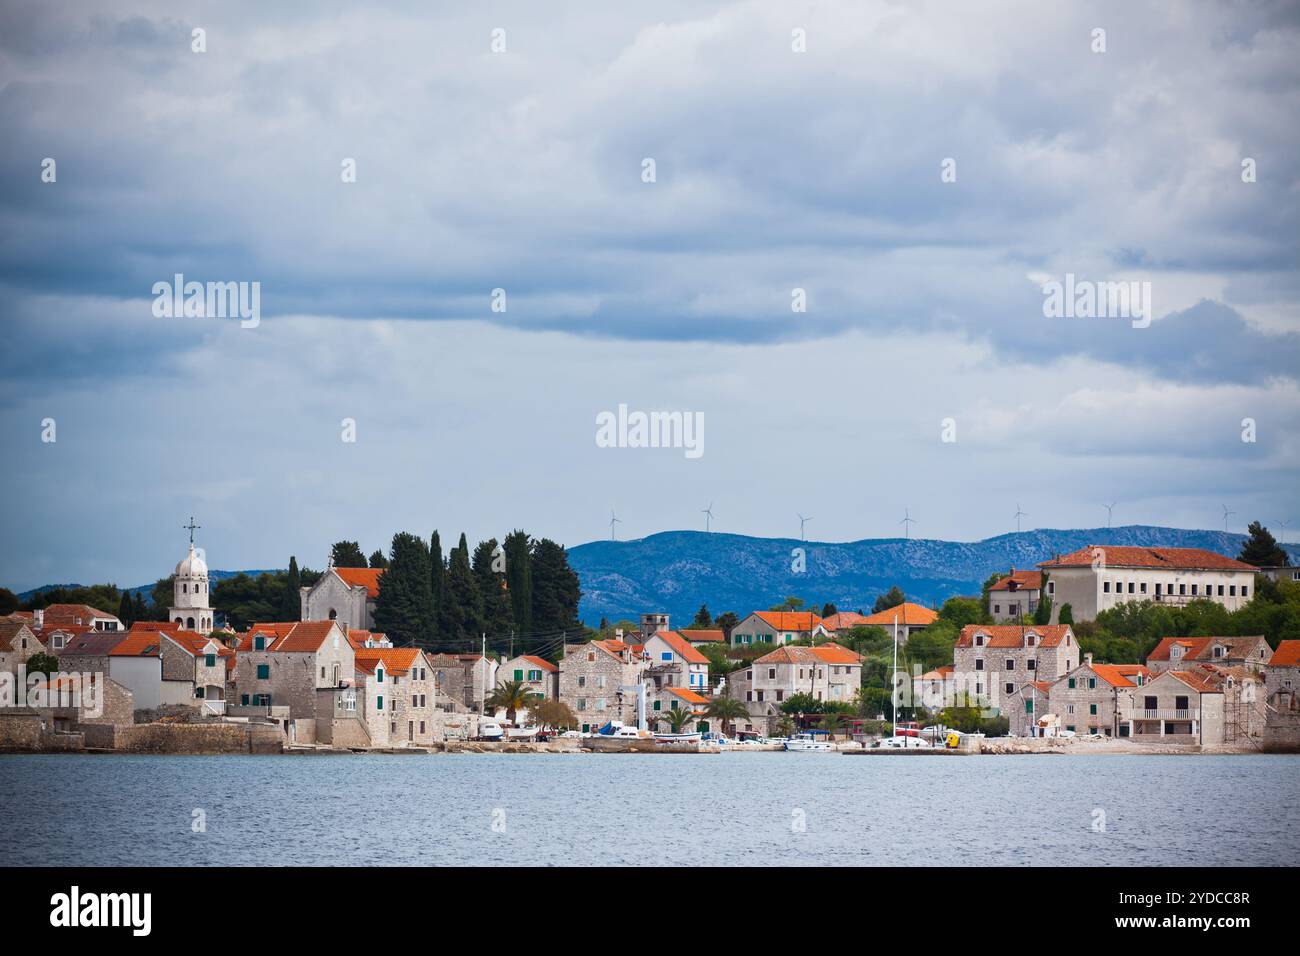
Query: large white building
[346,595]
[191,607]
[1100,577]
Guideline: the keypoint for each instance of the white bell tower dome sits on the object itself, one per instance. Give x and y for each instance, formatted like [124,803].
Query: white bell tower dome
[190,608]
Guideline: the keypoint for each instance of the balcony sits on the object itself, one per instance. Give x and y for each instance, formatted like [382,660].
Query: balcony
[1171,713]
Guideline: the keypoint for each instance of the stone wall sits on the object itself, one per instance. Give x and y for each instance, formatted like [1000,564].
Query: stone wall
[20,732]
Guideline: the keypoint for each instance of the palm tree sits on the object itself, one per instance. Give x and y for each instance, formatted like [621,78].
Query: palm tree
[830,720]
[676,718]
[513,695]
[785,726]
[726,709]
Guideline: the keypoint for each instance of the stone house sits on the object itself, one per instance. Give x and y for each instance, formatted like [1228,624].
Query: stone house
[18,643]
[289,669]
[205,662]
[463,681]
[1204,704]
[990,661]
[399,696]
[87,652]
[675,662]
[828,672]
[96,700]
[1177,653]
[136,662]
[76,617]
[1086,700]
[1282,678]
[1096,578]
[592,676]
[777,627]
[538,675]
[1016,596]
[675,698]
[344,594]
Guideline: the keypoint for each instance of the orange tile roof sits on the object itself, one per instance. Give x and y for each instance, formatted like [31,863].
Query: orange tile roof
[822,654]
[1286,655]
[1025,580]
[541,662]
[843,620]
[1132,557]
[907,613]
[357,638]
[1197,647]
[939,673]
[367,578]
[397,660]
[305,637]
[701,635]
[138,644]
[74,615]
[1120,675]
[156,626]
[682,647]
[687,695]
[790,620]
[1013,635]
[1202,683]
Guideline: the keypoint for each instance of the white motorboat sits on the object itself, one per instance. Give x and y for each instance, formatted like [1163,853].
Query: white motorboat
[678,738]
[809,743]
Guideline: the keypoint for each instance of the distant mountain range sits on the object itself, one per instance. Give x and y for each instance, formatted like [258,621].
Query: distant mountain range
[147,589]
[677,571]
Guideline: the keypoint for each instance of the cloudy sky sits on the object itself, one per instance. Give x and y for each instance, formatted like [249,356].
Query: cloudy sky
[522,170]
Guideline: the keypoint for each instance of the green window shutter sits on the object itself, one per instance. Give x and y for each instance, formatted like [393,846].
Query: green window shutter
[519,674]
[210,660]
[259,643]
[1071,684]
[658,705]
[380,700]
[1092,708]
[263,671]
[243,699]
[1092,683]
[1029,707]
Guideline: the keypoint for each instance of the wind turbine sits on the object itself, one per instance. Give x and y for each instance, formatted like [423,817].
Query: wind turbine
[1110,513]
[1020,514]
[613,520]
[907,523]
[1226,512]
[803,521]
[708,515]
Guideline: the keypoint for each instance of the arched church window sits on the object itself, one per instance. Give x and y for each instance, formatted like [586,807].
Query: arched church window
[189,623]
[333,614]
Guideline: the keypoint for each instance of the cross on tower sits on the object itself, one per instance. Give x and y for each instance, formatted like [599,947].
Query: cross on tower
[191,526]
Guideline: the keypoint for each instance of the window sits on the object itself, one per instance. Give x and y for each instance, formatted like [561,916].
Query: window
[243,700]
[979,640]
[760,698]
[421,726]
[1011,664]
[1182,589]
[1031,664]
[519,673]
[209,660]
[1092,683]
[600,703]
[1194,589]
[1010,688]
[198,693]
[1130,587]
[997,609]
[1029,705]
[666,656]
[379,702]
[1143,587]
[1070,683]
[582,703]
[780,694]
[1220,590]
[1092,709]
[322,672]
[259,643]
[979,664]
[1051,587]
[534,675]
[1105,587]
[263,671]
[771,673]
[582,681]
[1244,589]
[1029,640]
[379,675]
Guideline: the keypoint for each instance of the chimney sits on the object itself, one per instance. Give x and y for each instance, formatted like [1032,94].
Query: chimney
[1013,569]
[1087,660]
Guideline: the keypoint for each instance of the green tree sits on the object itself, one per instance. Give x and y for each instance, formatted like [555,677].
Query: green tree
[556,591]
[291,599]
[726,622]
[960,611]
[1043,613]
[437,582]
[377,560]
[791,603]
[554,713]
[126,609]
[677,718]
[511,696]
[726,709]
[8,601]
[404,607]
[347,554]
[891,598]
[519,579]
[1261,549]
[42,663]
[461,619]
[829,609]
[784,726]
[161,595]
[498,612]
[140,611]
[1067,614]
[933,646]
[702,617]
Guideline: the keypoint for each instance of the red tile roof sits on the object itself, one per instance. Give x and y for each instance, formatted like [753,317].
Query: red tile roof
[357,638]
[9,631]
[687,695]
[1121,675]
[907,613]
[367,578]
[821,654]
[942,672]
[682,647]
[1131,557]
[1286,655]
[1013,635]
[541,662]
[397,660]
[138,644]
[1203,682]
[702,635]
[1025,580]
[843,620]
[790,620]
[306,637]
[74,615]
[1196,648]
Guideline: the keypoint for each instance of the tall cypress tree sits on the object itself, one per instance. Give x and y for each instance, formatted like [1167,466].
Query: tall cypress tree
[141,609]
[377,560]
[404,607]
[291,601]
[126,609]
[519,579]
[1262,550]
[556,591]
[498,615]
[461,618]
[437,583]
